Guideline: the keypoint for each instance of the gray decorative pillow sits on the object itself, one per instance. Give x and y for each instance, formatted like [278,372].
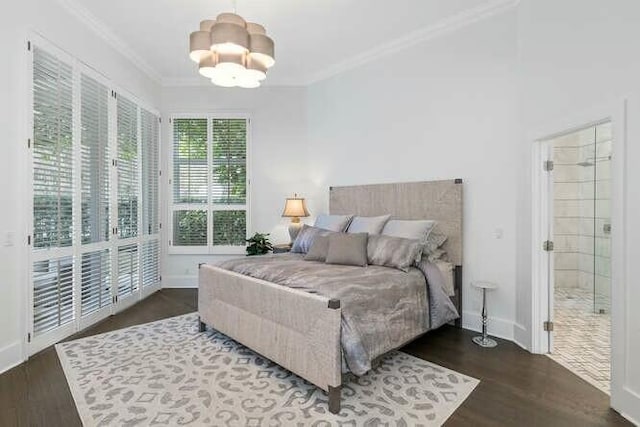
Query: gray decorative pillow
[408,229]
[348,249]
[434,241]
[318,250]
[337,223]
[368,224]
[394,252]
[305,238]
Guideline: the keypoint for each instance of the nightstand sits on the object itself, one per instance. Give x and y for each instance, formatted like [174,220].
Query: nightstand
[282,248]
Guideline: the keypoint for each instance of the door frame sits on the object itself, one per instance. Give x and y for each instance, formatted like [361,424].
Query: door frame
[616,112]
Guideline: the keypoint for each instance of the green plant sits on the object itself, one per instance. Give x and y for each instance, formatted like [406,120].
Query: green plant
[259,244]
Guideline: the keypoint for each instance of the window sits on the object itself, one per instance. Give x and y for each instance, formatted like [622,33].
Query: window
[95,220]
[209,184]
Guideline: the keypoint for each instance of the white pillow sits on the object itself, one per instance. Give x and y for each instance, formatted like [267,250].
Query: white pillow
[368,224]
[337,223]
[417,230]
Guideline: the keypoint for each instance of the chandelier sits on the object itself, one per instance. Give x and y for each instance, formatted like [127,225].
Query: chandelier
[232,52]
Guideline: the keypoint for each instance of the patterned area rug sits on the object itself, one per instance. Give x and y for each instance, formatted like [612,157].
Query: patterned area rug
[166,373]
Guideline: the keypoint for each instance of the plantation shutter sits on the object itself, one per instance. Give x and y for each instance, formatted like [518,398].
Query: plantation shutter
[190,182]
[52,294]
[128,273]
[95,281]
[149,137]
[229,181]
[229,184]
[95,161]
[94,168]
[190,168]
[210,180]
[128,181]
[52,278]
[150,263]
[52,152]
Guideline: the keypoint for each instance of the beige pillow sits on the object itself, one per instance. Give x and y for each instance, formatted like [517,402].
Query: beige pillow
[368,224]
[318,250]
[394,252]
[348,249]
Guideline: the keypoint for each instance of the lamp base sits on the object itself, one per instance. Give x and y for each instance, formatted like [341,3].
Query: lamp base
[484,341]
[294,229]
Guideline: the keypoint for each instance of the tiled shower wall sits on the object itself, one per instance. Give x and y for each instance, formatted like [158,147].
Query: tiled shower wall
[582,209]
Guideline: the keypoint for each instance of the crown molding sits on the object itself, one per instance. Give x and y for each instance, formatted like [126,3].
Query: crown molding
[439,29]
[104,32]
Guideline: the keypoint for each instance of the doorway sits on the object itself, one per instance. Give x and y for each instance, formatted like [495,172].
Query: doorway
[579,185]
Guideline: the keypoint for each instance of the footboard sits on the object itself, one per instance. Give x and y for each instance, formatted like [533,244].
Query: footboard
[297,330]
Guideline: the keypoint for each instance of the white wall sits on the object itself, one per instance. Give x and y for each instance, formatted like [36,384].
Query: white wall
[53,22]
[574,56]
[442,109]
[277,155]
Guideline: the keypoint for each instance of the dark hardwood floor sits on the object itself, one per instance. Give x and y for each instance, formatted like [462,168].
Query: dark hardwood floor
[516,388]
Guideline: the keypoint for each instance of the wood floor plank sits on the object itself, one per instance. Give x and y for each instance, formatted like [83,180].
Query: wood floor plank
[516,388]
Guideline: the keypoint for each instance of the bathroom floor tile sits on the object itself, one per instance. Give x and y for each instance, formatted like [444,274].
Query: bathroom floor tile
[581,337]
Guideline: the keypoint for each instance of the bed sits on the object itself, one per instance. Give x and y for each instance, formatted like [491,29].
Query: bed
[321,321]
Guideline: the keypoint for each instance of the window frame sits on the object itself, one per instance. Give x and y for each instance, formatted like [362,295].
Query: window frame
[209,207]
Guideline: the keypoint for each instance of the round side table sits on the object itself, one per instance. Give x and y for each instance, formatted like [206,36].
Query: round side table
[484,340]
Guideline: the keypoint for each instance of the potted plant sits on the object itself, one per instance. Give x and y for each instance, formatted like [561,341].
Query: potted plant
[259,244]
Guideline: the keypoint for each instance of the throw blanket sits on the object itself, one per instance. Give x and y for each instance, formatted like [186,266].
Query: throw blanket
[382,308]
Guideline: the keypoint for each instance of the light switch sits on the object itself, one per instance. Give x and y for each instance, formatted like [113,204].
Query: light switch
[498,233]
[9,239]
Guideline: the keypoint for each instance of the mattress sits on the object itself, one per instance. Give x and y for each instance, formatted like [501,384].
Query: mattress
[382,308]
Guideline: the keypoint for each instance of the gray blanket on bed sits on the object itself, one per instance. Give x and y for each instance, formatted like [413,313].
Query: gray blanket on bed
[382,308]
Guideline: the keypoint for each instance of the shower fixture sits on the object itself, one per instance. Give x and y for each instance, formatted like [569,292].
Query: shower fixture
[591,161]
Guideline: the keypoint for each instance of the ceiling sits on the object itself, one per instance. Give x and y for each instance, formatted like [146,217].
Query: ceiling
[314,38]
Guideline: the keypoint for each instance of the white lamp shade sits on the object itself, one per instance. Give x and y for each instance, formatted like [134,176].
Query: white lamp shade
[222,80]
[207,65]
[231,64]
[232,52]
[255,70]
[295,207]
[199,45]
[262,49]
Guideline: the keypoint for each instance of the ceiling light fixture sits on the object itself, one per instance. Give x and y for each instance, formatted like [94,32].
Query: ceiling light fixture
[232,52]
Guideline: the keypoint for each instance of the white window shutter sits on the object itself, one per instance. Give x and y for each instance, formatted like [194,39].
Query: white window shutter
[128,277]
[149,134]
[96,281]
[95,161]
[52,152]
[150,263]
[52,294]
[128,180]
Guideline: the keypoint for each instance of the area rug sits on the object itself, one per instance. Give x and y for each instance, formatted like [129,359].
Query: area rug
[167,373]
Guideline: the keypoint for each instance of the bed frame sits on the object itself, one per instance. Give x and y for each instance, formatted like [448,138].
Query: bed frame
[301,331]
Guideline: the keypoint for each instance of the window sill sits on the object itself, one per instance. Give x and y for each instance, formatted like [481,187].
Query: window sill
[199,250]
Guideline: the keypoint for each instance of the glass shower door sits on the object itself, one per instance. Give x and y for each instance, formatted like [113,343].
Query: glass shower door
[602,220]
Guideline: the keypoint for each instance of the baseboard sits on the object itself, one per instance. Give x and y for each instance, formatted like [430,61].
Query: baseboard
[10,356]
[179,281]
[521,336]
[497,327]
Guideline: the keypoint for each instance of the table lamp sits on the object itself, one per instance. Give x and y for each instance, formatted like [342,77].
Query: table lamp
[295,208]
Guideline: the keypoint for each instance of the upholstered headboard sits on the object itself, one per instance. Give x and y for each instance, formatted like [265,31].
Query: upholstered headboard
[437,200]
